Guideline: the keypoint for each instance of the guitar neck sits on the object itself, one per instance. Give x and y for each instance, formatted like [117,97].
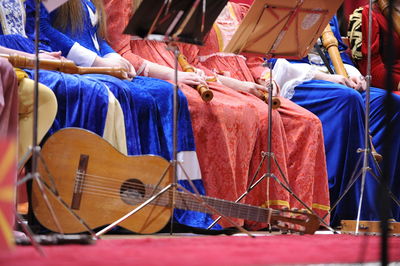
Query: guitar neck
[185,201]
[227,208]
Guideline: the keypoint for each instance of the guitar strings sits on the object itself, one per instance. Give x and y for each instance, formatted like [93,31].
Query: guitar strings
[140,188]
[129,185]
[92,187]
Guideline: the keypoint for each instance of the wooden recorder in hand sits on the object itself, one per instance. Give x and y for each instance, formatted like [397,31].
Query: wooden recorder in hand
[205,92]
[62,65]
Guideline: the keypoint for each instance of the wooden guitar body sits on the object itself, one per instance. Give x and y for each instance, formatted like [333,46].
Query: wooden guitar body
[102,185]
[107,171]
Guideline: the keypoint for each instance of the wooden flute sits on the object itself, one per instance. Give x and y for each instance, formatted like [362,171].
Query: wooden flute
[63,65]
[330,43]
[205,92]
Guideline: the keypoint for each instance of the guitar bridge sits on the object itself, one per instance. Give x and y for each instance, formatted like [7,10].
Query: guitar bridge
[79,181]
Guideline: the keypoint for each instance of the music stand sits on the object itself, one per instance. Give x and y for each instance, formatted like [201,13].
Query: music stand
[281,29]
[173,21]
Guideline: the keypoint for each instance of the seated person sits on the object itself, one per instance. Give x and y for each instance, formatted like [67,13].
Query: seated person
[81,39]
[340,104]
[81,102]
[225,111]
[358,33]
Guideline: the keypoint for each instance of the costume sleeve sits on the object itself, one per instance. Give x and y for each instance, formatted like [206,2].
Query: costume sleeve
[105,48]
[117,19]
[192,55]
[378,69]
[59,41]
[255,64]
[289,75]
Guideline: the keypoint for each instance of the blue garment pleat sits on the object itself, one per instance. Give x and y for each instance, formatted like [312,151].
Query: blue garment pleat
[342,113]
[80,103]
[382,137]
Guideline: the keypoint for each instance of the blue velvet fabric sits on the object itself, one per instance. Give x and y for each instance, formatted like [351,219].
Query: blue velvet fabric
[342,113]
[81,103]
[151,98]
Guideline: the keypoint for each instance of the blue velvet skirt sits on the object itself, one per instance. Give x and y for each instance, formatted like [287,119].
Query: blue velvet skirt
[81,103]
[342,113]
[146,104]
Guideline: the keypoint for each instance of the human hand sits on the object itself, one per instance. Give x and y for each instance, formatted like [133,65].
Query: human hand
[51,55]
[336,79]
[253,88]
[117,62]
[361,84]
[190,78]
[265,83]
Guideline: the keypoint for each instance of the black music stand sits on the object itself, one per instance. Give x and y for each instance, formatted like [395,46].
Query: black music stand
[173,21]
[281,29]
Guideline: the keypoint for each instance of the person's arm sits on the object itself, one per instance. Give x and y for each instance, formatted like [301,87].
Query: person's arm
[71,49]
[117,19]
[166,73]
[42,55]
[378,69]
[59,41]
[244,86]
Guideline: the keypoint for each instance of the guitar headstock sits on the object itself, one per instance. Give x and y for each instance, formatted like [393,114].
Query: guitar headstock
[294,220]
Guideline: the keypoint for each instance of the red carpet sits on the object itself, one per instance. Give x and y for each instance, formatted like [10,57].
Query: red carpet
[221,250]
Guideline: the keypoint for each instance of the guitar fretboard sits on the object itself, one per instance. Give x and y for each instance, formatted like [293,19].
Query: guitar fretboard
[191,202]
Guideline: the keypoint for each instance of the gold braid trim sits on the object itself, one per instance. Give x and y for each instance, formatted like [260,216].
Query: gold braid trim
[355,34]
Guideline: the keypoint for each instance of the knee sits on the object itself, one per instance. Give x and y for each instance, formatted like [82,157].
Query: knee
[350,97]
[25,93]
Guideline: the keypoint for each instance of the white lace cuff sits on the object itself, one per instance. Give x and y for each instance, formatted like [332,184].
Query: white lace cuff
[288,76]
[351,70]
[112,55]
[81,55]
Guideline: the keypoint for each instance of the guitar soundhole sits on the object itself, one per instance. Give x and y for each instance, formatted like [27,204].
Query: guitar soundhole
[132,191]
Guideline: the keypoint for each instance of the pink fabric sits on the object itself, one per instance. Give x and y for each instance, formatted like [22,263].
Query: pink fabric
[216,250]
[8,100]
[228,131]
[121,42]
[302,130]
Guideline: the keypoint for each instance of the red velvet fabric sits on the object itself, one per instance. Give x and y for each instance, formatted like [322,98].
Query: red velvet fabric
[378,49]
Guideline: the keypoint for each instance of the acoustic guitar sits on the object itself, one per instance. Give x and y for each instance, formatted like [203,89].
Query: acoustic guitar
[101,185]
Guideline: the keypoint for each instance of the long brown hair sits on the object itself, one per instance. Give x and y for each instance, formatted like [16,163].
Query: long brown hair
[72,10]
